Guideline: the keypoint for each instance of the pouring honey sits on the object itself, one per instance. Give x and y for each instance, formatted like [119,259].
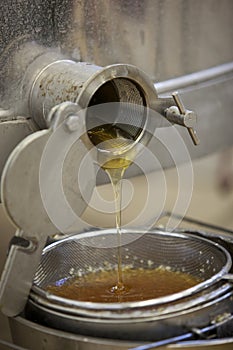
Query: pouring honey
[117,152]
[115,140]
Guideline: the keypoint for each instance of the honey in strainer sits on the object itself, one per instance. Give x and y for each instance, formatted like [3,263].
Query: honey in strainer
[139,284]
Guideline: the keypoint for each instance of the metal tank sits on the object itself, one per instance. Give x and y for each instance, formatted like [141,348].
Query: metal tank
[57,56]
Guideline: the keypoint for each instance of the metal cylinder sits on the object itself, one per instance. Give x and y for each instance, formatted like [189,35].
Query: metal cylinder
[83,83]
[59,81]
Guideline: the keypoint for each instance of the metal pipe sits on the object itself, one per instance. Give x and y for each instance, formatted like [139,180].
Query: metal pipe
[206,76]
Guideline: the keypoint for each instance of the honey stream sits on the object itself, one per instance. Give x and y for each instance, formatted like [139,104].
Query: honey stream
[110,137]
[116,176]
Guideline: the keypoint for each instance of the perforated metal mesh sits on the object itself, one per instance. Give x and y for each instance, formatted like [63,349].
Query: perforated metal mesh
[82,254]
[134,116]
[120,103]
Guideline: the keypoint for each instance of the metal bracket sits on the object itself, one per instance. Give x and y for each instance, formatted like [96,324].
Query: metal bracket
[22,196]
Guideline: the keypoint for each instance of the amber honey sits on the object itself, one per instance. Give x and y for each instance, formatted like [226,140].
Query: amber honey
[139,284]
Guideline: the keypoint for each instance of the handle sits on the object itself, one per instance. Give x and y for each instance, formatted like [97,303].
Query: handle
[180,115]
[183,111]
[228,277]
[16,280]
[164,342]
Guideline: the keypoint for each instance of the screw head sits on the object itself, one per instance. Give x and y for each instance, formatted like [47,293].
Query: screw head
[72,123]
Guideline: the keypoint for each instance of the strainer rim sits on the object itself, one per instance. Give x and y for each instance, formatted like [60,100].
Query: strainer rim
[136,304]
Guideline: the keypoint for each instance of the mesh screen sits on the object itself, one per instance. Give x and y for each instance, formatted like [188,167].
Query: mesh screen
[79,255]
[119,103]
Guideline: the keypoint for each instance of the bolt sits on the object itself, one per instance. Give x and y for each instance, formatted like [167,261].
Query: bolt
[190,119]
[72,123]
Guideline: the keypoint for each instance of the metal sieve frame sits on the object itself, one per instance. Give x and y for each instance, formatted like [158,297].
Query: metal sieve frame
[108,309]
[124,72]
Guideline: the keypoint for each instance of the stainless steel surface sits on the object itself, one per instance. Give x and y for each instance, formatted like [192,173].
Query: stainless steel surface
[21,188]
[36,337]
[11,133]
[39,337]
[136,329]
[89,85]
[77,315]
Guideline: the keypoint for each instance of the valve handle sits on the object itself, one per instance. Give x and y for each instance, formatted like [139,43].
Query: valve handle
[183,111]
